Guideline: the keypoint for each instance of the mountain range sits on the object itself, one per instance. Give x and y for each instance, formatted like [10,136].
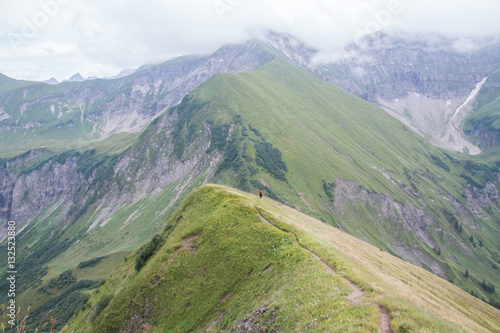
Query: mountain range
[92,170]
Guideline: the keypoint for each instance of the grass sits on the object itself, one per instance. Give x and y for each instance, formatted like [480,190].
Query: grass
[220,264]
[114,144]
[327,134]
[268,269]
[483,123]
[323,135]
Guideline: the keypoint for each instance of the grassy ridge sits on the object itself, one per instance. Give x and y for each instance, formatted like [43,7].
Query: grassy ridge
[324,134]
[221,266]
[314,134]
[211,272]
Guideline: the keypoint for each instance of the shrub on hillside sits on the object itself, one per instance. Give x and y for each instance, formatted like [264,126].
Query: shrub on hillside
[440,163]
[61,307]
[329,189]
[148,251]
[90,263]
[488,286]
[65,279]
[101,305]
[270,159]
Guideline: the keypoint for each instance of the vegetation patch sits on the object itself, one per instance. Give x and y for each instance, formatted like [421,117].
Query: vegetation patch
[147,251]
[219,136]
[270,159]
[329,189]
[101,305]
[65,279]
[61,307]
[90,263]
[439,162]
[185,111]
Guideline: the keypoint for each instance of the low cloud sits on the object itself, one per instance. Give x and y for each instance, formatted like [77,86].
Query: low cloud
[44,38]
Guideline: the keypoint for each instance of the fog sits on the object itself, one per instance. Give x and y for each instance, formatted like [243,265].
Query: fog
[40,39]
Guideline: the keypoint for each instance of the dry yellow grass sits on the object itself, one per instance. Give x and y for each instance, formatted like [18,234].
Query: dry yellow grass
[412,294]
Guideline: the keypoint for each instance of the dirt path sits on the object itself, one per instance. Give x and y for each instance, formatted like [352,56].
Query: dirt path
[357,296]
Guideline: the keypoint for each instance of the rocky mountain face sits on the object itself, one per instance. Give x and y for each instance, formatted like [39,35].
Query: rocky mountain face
[38,114]
[74,181]
[424,81]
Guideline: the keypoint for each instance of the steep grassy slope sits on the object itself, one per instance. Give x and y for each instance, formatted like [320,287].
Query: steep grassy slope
[303,141]
[352,165]
[75,114]
[222,267]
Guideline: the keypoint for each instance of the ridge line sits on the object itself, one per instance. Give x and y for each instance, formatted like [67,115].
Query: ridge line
[356,296]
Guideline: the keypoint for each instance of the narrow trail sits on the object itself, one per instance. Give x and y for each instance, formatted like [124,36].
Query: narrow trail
[357,296]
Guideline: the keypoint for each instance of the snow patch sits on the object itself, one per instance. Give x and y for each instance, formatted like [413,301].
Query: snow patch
[471,96]
[417,94]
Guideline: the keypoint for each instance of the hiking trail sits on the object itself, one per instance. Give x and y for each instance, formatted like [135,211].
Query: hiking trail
[357,296]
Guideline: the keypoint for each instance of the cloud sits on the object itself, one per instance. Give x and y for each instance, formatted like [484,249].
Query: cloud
[44,38]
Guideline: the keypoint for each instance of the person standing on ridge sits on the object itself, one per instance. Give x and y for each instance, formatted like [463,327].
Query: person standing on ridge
[260,194]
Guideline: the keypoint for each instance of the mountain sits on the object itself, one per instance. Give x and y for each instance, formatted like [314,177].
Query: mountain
[305,142]
[229,261]
[482,125]
[75,78]
[73,115]
[425,81]
[51,81]
[124,73]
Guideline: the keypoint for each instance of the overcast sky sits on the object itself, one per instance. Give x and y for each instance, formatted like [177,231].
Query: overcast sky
[44,38]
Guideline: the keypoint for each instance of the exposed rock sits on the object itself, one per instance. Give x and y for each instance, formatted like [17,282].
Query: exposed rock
[125,104]
[419,80]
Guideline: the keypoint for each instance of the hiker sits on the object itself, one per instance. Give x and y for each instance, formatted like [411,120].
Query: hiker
[260,194]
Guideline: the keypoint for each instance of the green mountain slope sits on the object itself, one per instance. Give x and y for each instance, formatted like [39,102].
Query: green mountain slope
[74,115]
[8,84]
[304,142]
[350,164]
[228,261]
[483,124]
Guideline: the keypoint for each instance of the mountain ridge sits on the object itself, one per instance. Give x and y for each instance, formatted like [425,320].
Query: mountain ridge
[420,80]
[73,114]
[304,142]
[288,234]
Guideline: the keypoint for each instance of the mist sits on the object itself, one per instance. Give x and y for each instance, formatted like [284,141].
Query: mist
[58,38]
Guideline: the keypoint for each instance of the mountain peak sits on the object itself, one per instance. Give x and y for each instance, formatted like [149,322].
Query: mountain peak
[76,78]
[52,81]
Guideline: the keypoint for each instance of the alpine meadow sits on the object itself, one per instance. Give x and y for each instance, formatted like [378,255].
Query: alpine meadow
[136,201]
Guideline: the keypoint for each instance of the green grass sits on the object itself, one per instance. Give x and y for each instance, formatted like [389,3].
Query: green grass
[221,263]
[114,144]
[323,135]
[484,121]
